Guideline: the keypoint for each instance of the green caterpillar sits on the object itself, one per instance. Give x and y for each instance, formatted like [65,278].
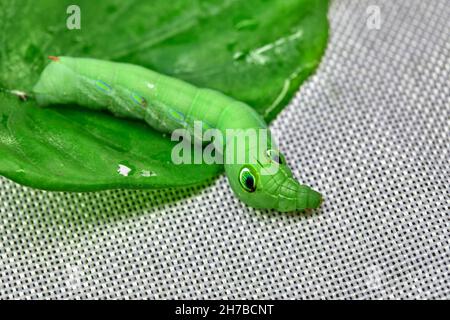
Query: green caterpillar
[168,104]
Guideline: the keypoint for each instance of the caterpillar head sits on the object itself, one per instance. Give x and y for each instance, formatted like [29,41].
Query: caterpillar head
[268,183]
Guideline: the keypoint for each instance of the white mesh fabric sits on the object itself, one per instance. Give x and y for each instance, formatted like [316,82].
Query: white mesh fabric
[370,131]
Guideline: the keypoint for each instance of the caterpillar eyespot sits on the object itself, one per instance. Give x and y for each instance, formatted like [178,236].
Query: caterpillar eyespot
[167,104]
[247,180]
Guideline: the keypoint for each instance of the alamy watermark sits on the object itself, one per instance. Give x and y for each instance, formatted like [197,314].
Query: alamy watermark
[73,21]
[373,21]
[234,146]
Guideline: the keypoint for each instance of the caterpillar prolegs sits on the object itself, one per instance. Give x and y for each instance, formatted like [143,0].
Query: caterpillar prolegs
[168,104]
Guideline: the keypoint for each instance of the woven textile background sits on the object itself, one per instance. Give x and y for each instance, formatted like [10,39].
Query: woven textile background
[371,130]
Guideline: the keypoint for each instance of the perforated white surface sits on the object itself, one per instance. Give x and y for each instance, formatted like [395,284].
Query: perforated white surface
[370,130]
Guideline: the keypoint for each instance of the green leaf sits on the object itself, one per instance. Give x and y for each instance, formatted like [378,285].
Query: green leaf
[253,50]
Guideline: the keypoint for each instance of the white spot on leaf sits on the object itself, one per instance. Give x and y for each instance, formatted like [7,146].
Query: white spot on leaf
[258,56]
[148,173]
[123,170]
